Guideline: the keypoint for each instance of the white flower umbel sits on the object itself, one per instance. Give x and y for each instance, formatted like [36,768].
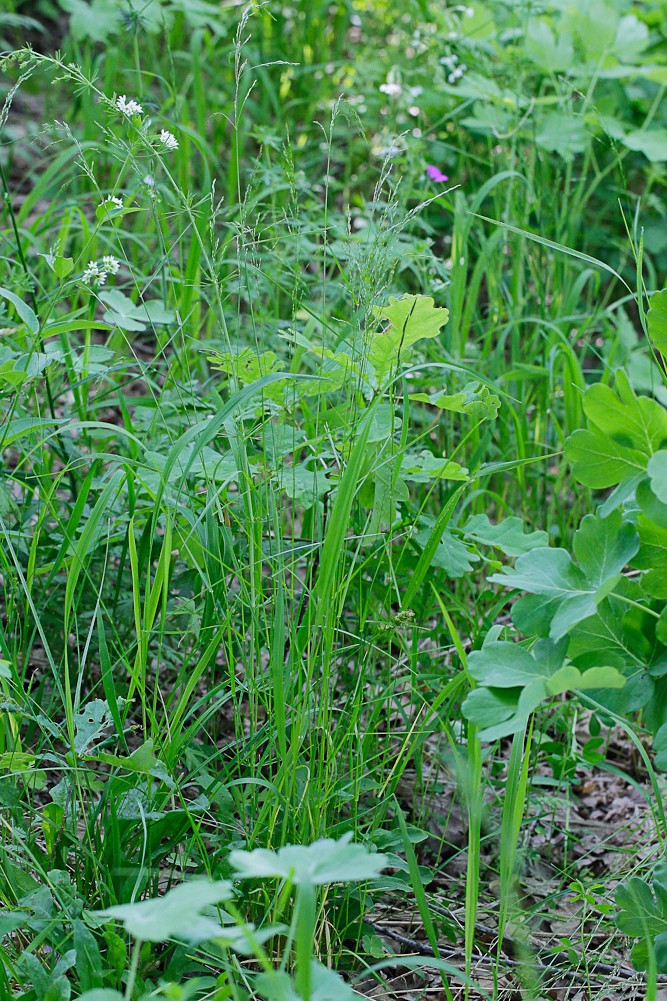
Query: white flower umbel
[94,274]
[168,139]
[112,200]
[111,264]
[129,108]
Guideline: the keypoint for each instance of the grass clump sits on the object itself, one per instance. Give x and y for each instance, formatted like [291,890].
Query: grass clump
[320,322]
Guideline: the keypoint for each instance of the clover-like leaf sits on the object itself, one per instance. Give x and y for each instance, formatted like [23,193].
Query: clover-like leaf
[176,915]
[324,861]
[410,319]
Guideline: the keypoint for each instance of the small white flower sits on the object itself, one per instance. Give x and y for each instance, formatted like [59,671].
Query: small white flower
[111,264]
[102,277]
[129,108]
[414,111]
[168,139]
[149,181]
[391,89]
[91,274]
[112,200]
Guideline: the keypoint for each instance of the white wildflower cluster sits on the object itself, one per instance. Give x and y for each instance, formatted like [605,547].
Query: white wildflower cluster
[112,200]
[111,264]
[456,69]
[168,140]
[391,89]
[129,108]
[97,273]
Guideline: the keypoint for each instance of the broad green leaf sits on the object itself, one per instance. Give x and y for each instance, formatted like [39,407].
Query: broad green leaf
[61,266]
[95,21]
[623,432]
[59,989]
[514,681]
[603,547]
[89,965]
[660,748]
[651,142]
[611,634]
[562,593]
[652,557]
[654,509]
[26,314]
[571,679]
[242,938]
[247,365]
[425,467]
[324,861]
[303,484]
[507,535]
[409,319]
[101,994]
[599,462]
[632,38]
[123,313]
[657,472]
[11,920]
[551,53]
[451,554]
[325,985]
[642,913]
[276,985]
[490,708]
[475,399]
[507,665]
[562,133]
[176,915]
[657,320]
[90,724]
[20,427]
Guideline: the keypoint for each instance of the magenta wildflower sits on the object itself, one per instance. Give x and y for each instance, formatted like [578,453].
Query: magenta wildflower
[435,173]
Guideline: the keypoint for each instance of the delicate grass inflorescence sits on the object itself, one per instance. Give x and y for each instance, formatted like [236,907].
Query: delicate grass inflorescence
[324,327]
